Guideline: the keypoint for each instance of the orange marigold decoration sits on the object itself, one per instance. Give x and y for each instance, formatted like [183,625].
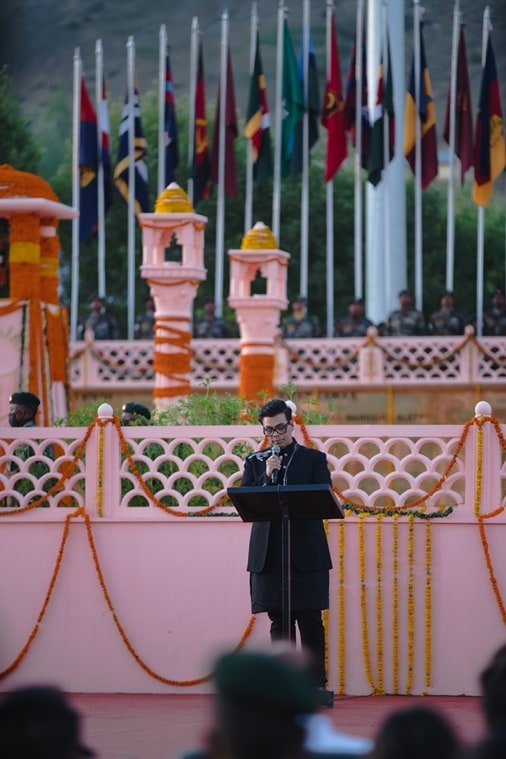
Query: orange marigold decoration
[256,374]
[49,261]
[174,365]
[24,256]
[57,339]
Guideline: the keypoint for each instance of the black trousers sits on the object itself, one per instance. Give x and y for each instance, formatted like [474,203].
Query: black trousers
[312,636]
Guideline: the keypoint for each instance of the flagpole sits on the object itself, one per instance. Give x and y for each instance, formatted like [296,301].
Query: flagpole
[304,201]
[329,199]
[418,160]
[220,208]
[76,125]
[480,247]
[99,85]
[276,190]
[385,48]
[358,151]
[131,189]
[248,203]
[194,42]
[162,52]
[450,218]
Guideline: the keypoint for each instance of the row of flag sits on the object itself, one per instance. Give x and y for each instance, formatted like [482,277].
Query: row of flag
[337,115]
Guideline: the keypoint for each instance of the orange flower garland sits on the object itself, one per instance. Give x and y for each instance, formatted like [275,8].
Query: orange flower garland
[256,374]
[91,542]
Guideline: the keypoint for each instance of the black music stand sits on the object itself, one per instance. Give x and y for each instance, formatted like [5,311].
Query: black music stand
[286,502]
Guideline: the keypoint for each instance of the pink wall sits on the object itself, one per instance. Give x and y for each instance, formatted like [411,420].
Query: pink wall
[179,585]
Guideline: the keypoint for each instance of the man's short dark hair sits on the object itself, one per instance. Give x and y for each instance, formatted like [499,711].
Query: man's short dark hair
[274,407]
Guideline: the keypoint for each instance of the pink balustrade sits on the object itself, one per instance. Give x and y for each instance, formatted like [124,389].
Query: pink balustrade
[124,560]
[326,364]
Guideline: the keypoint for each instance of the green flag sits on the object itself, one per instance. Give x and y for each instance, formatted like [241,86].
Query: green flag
[292,102]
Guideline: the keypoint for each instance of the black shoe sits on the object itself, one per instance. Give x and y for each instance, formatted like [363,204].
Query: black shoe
[325,697]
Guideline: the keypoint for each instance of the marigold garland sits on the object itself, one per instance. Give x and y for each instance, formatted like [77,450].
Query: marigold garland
[363,512]
[428,605]
[256,374]
[100,471]
[17,661]
[423,499]
[147,492]
[411,604]
[379,607]
[395,604]
[81,512]
[363,604]
[341,610]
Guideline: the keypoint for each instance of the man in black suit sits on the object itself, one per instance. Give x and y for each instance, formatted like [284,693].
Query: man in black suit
[310,558]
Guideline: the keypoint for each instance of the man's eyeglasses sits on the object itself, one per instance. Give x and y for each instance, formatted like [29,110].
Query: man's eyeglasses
[279,428]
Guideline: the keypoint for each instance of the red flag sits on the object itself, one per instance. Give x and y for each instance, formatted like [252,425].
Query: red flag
[231,132]
[200,162]
[427,115]
[333,110]
[489,152]
[463,115]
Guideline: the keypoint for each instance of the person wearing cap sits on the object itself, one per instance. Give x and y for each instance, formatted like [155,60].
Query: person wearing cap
[38,722]
[260,706]
[23,409]
[446,321]
[292,464]
[405,320]
[103,325]
[133,413]
[144,327]
[210,325]
[299,323]
[356,323]
[494,320]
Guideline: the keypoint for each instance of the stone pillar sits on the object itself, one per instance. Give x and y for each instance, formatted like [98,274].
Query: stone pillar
[258,314]
[173,285]
[33,211]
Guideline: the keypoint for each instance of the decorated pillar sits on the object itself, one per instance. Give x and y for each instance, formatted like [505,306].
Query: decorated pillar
[31,319]
[173,266]
[258,313]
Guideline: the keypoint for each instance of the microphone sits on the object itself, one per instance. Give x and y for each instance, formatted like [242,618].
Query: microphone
[275,450]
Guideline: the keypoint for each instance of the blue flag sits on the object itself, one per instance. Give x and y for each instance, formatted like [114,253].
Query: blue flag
[140,153]
[88,166]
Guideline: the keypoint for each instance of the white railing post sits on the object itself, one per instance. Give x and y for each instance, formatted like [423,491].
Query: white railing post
[485,479]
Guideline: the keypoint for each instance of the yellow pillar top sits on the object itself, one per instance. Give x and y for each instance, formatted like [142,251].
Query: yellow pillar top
[260,237]
[173,200]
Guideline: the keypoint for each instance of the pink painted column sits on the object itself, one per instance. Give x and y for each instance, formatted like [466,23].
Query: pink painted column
[258,314]
[175,229]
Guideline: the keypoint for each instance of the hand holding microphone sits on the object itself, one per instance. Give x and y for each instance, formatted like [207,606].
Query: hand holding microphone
[276,450]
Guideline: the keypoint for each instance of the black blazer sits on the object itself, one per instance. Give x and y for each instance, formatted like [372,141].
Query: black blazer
[309,548]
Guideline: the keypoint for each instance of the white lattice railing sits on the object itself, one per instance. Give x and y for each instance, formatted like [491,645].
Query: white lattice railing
[187,470]
[324,364]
